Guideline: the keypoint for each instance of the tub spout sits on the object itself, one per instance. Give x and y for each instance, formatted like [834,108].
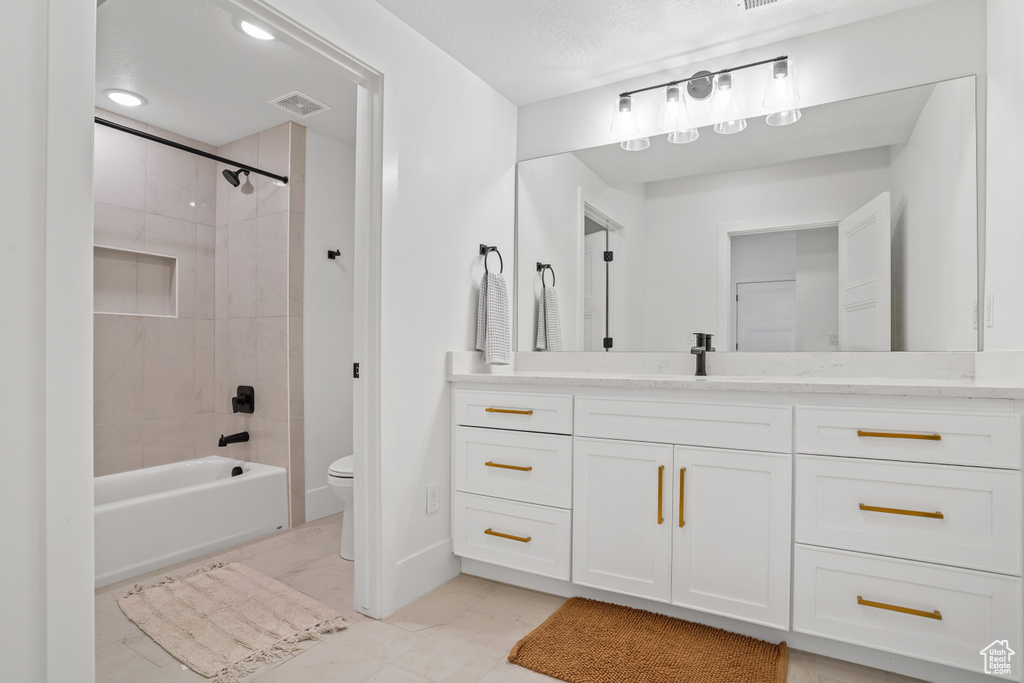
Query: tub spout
[240,437]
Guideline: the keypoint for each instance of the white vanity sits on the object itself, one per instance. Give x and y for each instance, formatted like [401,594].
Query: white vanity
[879,514]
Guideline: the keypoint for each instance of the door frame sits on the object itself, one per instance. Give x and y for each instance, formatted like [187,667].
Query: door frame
[366,429]
[615,231]
[726,231]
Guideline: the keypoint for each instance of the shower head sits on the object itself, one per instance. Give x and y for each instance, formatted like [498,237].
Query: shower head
[233,178]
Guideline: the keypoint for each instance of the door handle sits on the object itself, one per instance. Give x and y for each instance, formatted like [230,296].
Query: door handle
[508,467]
[900,511]
[899,435]
[682,498]
[661,481]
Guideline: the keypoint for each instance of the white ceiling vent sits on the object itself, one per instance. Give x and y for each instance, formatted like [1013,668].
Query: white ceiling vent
[300,105]
[745,5]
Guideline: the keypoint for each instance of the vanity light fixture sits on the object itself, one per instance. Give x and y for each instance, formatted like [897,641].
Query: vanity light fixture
[125,98]
[781,96]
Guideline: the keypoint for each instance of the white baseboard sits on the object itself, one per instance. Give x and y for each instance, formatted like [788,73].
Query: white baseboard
[321,502]
[907,666]
[422,572]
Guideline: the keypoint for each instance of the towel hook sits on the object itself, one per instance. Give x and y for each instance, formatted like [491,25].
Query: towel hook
[485,250]
[542,268]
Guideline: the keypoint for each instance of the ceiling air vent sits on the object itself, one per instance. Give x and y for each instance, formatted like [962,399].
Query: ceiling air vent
[746,5]
[300,105]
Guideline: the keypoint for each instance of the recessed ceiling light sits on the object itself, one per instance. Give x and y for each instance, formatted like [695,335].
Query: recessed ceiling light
[125,98]
[254,31]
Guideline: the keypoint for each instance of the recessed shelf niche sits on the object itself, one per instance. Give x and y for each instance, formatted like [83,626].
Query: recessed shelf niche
[127,282]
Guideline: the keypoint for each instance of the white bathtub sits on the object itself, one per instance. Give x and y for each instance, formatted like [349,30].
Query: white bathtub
[157,516]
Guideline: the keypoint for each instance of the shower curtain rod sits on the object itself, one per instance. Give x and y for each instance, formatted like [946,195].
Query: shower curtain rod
[186,148]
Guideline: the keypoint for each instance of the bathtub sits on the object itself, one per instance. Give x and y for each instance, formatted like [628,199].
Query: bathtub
[157,516]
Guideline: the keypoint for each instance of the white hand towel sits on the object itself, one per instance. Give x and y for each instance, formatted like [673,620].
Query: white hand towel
[549,322]
[492,322]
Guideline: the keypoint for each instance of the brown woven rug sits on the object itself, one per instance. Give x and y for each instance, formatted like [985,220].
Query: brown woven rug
[227,620]
[586,641]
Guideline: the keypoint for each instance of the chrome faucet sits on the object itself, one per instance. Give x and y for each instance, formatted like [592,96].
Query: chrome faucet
[240,437]
[701,350]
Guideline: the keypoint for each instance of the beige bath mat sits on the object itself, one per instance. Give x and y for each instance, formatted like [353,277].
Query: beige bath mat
[586,641]
[227,620]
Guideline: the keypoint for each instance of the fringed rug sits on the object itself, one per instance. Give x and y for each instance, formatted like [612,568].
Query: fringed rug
[586,641]
[227,620]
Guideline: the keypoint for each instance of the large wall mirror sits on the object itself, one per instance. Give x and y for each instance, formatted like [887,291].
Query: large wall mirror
[854,229]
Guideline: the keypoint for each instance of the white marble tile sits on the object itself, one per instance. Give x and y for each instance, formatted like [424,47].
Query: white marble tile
[224,191]
[286,559]
[117,447]
[116,663]
[297,170]
[206,275]
[241,206]
[296,384]
[205,433]
[507,672]
[241,276]
[272,265]
[119,169]
[118,348]
[207,177]
[296,262]
[157,285]
[269,441]
[837,671]
[167,440]
[801,667]
[527,607]
[205,384]
[393,674]
[115,281]
[171,182]
[272,368]
[328,579]
[240,358]
[435,609]
[115,226]
[175,237]
[168,367]
[274,156]
[221,272]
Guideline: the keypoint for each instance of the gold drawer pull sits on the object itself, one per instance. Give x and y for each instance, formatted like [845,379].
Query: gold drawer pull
[682,484]
[521,539]
[898,511]
[897,435]
[661,479]
[896,608]
[508,411]
[509,467]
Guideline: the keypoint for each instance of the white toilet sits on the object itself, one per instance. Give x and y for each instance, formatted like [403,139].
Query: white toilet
[339,476]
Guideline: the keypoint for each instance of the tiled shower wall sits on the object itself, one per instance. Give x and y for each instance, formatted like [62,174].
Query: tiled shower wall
[163,386]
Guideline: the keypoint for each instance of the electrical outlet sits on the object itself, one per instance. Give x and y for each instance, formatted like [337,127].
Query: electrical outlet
[433,498]
[990,313]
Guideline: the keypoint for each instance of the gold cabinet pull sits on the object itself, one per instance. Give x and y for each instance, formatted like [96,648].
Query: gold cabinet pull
[521,539]
[896,608]
[661,480]
[508,411]
[897,435]
[899,511]
[508,467]
[682,489]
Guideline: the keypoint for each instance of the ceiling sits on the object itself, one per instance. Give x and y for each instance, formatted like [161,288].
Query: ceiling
[205,79]
[863,123]
[534,50]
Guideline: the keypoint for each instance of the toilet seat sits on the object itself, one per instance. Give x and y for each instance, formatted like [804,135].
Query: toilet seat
[342,467]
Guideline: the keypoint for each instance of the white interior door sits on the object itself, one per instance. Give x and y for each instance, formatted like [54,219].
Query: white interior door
[595,291]
[865,278]
[766,316]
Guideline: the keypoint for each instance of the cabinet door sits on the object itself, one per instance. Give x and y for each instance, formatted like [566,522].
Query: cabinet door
[731,533]
[622,504]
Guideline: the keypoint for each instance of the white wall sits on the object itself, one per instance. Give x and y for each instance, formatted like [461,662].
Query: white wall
[449,155]
[552,192]
[932,42]
[46,579]
[1005,174]
[817,289]
[934,196]
[682,215]
[327,316]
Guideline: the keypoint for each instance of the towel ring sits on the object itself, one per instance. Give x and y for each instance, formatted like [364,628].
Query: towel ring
[542,268]
[485,250]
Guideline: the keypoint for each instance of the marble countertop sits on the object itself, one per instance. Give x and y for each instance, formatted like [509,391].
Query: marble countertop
[876,386]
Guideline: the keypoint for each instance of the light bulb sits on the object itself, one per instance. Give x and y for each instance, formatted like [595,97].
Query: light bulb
[125,98]
[624,121]
[254,31]
[675,117]
[781,95]
[725,108]
[636,144]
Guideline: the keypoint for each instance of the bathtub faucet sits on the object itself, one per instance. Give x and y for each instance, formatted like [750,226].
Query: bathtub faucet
[240,437]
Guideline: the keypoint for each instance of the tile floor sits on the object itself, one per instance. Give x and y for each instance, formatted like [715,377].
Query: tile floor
[460,632]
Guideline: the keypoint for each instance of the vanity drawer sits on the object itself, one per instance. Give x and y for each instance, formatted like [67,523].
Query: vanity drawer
[965,516]
[938,436]
[740,426]
[533,468]
[531,538]
[896,605]
[550,413]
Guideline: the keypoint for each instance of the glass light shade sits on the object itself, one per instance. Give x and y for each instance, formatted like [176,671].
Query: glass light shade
[636,144]
[624,121]
[725,108]
[675,117]
[781,94]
